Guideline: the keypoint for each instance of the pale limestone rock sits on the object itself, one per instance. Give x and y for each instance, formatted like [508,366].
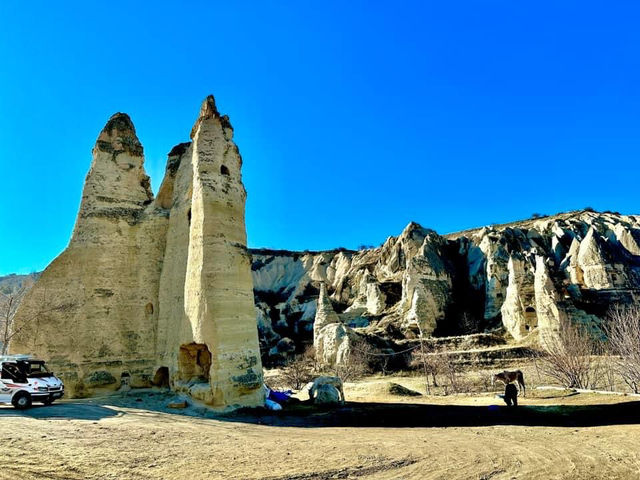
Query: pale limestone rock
[376,300]
[218,288]
[519,307]
[325,314]
[158,286]
[550,311]
[333,344]
[496,274]
[572,265]
[592,262]
[476,282]
[331,339]
[629,238]
[426,286]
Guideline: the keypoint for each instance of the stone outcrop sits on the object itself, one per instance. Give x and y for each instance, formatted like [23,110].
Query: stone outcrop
[525,277]
[154,289]
[518,310]
[332,339]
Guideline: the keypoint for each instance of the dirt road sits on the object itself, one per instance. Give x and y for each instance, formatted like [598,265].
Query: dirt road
[573,436]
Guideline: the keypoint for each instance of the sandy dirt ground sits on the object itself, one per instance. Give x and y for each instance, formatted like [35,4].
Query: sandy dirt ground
[552,435]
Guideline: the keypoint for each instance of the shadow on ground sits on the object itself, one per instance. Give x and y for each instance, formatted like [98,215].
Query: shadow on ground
[403,415]
[352,414]
[62,411]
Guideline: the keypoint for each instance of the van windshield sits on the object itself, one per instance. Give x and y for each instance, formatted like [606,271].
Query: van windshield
[36,370]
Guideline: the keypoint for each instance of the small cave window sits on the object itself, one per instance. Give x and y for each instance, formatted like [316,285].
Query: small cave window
[149,308]
[224,170]
[189,216]
[530,310]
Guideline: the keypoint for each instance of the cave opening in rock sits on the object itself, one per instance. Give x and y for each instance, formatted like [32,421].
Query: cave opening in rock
[224,170]
[530,318]
[194,362]
[161,378]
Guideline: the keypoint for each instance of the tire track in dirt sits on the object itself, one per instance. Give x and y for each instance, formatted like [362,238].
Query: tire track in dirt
[352,472]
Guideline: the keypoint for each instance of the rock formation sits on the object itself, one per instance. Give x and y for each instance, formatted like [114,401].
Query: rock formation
[524,278]
[163,290]
[331,339]
[154,290]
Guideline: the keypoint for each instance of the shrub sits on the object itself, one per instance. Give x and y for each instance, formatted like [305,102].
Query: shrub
[569,356]
[434,363]
[623,332]
[301,370]
[356,365]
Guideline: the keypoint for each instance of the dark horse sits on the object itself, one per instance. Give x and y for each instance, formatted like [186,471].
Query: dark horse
[507,377]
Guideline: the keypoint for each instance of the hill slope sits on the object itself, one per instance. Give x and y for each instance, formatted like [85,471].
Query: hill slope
[525,277]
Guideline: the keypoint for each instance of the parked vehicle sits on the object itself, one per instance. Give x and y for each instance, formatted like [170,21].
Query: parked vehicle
[24,380]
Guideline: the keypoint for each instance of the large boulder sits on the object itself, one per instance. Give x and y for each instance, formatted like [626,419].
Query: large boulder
[327,395]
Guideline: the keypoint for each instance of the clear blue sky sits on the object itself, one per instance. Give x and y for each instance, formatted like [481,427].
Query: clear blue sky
[353,118]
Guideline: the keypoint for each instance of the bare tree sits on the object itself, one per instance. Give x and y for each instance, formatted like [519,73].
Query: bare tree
[425,359]
[356,364]
[623,332]
[569,356]
[10,301]
[434,362]
[301,369]
[451,371]
[8,305]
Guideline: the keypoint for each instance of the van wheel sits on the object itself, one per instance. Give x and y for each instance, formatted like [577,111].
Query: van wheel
[21,400]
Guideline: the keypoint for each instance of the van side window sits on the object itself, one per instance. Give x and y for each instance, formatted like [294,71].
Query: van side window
[11,372]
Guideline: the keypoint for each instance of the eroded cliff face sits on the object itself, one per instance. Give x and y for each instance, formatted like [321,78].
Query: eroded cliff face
[153,291]
[525,278]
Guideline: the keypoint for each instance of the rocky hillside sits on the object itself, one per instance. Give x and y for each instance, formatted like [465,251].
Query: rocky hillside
[523,278]
[13,283]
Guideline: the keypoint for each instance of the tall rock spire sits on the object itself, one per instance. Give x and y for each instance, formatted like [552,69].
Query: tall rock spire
[331,339]
[118,136]
[117,187]
[219,289]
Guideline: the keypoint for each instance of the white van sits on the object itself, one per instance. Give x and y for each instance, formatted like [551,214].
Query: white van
[24,380]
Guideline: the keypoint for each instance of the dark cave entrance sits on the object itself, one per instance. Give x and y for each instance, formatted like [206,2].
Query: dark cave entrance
[530,318]
[161,378]
[194,362]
